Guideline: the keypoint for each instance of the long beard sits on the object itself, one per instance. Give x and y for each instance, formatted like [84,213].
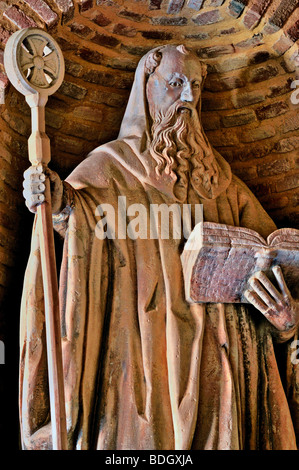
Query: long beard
[179,145]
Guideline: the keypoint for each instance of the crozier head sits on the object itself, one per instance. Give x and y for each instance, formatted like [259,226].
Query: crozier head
[175,79]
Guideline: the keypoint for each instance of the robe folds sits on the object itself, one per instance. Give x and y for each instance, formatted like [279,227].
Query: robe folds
[144,369]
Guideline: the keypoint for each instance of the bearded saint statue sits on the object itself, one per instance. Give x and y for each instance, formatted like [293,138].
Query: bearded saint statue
[143,368]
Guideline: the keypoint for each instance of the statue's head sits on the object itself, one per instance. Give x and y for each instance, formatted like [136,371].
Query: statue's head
[173,89]
[175,78]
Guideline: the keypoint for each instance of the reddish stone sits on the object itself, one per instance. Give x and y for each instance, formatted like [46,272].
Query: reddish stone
[43,11]
[79,129]
[4,82]
[282,45]
[124,30]
[4,35]
[293,31]
[67,9]
[270,28]
[66,45]
[155,4]
[260,6]
[251,19]
[90,55]
[208,17]
[104,40]
[157,35]
[255,40]
[196,4]
[81,30]
[19,18]
[85,5]
[175,6]
[101,20]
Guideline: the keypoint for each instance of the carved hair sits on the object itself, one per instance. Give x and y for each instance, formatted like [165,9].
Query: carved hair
[155,57]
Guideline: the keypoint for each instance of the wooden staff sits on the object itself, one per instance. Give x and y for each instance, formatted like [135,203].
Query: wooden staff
[35,66]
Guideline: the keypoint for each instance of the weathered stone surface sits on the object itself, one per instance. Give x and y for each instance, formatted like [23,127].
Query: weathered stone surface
[258,133]
[72,90]
[105,40]
[124,30]
[238,119]
[175,6]
[131,15]
[81,30]
[209,17]
[235,8]
[100,19]
[262,73]
[287,145]
[90,55]
[166,21]
[196,4]
[287,183]
[274,167]
[18,17]
[155,4]
[215,51]
[157,35]
[251,18]
[271,110]
[67,9]
[43,10]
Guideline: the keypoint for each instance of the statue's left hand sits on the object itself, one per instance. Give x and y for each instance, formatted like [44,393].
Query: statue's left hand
[279,308]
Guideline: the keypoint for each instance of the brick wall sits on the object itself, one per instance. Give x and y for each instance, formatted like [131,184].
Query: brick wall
[249,46]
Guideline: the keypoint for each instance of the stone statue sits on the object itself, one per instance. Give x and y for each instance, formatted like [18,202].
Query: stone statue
[143,368]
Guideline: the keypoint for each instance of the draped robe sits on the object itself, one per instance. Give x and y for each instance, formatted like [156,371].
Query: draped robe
[144,369]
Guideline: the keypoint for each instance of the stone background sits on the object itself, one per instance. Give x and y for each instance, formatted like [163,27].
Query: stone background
[249,46]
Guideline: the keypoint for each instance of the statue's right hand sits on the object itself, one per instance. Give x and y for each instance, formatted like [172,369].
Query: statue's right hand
[35,185]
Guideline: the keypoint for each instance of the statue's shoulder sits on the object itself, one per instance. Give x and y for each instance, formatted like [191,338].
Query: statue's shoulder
[102,165]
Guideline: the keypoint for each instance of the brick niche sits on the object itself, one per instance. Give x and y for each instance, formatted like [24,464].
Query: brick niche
[250,48]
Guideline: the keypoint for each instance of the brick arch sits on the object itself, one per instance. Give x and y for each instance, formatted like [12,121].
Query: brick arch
[249,46]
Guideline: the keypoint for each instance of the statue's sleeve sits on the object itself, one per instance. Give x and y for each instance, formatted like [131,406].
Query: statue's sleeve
[83,286]
[60,220]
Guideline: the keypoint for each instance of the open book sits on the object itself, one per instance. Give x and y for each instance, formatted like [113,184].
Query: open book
[218,261]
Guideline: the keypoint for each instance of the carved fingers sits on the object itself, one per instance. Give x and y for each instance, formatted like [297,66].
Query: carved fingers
[277,306]
[35,184]
[34,187]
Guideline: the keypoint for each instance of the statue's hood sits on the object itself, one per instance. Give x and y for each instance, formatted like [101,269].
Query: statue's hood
[131,147]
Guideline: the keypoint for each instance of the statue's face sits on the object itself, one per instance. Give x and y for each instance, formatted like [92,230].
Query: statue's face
[178,78]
